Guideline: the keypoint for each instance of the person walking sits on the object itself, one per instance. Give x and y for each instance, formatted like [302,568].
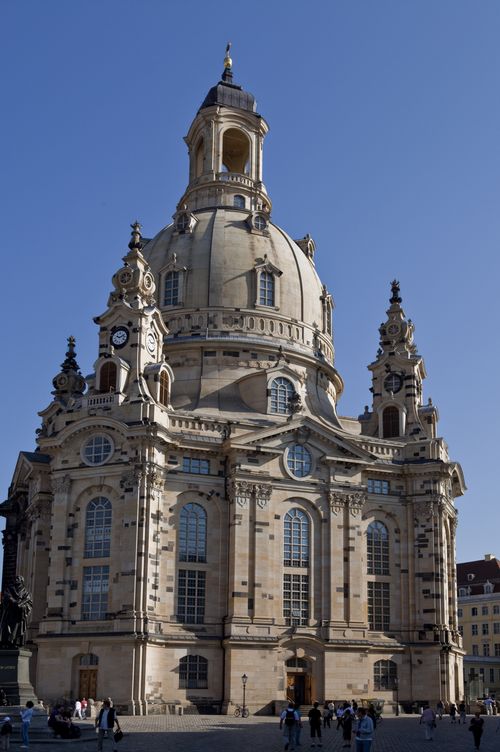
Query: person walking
[26,716]
[453,712]
[84,708]
[340,713]
[77,713]
[364,731]
[440,710]
[428,718]
[347,720]
[288,723]
[476,726]
[105,723]
[6,732]
[315,724]
[462,718]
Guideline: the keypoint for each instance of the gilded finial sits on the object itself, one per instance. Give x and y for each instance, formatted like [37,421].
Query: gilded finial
[396,297]
[228,63]
[135,241]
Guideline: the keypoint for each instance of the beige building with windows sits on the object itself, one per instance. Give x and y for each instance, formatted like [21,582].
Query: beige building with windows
[478,585]
[197,509]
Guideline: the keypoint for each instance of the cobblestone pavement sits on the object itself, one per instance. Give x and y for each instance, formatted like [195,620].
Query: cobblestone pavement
[261,734]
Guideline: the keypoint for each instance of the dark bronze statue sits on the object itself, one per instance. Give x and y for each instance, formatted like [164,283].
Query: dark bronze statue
[15,612]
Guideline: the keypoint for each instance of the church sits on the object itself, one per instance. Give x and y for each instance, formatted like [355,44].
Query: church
[198,521]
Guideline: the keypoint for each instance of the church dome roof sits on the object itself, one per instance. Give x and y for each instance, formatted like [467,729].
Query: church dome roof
[221,258]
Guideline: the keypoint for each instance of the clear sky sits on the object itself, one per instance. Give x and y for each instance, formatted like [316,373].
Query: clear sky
[384,146]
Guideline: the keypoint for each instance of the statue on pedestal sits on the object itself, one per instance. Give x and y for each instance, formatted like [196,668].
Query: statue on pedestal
[15,613]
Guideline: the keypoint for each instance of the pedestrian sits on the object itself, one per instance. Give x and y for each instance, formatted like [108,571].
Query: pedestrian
[315,724]
[453,712]
[84,708]
[440,710]
[354,706]
[331,709]
[463,712]
[488,703]
[77,713]
[476,726]
[26,716]
[428,718]
[6,732]
[326,716]
[288,721]
[364,731]
[298,725]
[372,713]
[105,723]
[347,720]
[340,713]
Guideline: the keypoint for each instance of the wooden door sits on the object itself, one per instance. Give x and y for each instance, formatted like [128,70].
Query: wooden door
[290,687]
[88,683]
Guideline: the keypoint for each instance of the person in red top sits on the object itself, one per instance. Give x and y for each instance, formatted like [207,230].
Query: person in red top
[84,707]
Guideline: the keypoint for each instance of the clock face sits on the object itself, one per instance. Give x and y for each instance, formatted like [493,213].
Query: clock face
[393,328]
[119,338]
[151,342]
[393,383]
[125,277]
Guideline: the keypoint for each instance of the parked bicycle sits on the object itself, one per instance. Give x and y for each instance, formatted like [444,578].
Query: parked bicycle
[242,711]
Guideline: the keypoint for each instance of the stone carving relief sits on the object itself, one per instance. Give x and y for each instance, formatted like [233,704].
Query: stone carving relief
[352,500]
[242,491]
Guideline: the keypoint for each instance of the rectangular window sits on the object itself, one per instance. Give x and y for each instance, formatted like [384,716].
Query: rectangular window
[497,649]
[492,675]
[474,629]
[460,630]
[171,289]
[296,599]
[485,629]
[496,609]
[484,610]
[377,486]
[193,672]
[460,613]
[486,650]
[191,596]
[195,465]
[95,593]
[496,627]
[379,612]
[473,612]
[475,650]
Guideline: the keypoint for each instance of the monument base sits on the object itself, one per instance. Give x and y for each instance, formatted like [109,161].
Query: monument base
[15,676]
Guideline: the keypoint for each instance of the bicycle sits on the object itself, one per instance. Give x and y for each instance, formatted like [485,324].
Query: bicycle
[241,711]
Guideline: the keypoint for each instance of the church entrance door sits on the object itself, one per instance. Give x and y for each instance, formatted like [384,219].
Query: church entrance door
[88,683]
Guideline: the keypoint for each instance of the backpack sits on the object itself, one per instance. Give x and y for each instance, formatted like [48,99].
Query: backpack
[6,729]
[290,718]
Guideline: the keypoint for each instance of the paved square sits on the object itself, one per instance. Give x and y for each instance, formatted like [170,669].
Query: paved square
[227,734]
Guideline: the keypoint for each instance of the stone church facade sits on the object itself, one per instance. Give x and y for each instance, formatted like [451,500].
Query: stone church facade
[196,509]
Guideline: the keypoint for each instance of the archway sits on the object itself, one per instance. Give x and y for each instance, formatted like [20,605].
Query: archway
[299,681]
[87,678]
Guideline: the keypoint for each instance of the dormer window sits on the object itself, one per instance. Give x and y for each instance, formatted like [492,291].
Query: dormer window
[259,222]
[470,577]
[171,289]
[239,202]
[266,289]
[390,422]
[488,587]
[182,223]
[107,377]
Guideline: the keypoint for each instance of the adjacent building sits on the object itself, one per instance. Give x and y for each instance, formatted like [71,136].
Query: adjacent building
[478,585]
[197,510]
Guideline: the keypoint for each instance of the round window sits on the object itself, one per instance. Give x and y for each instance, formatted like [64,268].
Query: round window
[299,460]
[97,450]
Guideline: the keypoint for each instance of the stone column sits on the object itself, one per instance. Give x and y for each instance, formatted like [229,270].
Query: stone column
[60,550]
[240,493]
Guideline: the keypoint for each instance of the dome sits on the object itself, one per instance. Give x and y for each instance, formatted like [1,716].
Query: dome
[217,265]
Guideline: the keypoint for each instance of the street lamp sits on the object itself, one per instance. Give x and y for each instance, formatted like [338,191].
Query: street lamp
[396,687]
[244,680]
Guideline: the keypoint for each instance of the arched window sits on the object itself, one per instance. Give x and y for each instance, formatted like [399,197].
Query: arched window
[239,202]
[98,528]
[385,675]
[89,660]
[377,548]
[193,533]
[281,392]
[296,539]
[235,151]
[171,296]
[107,377]
[390,422]
[297,663]
[299,460]
[200,154]
[266,289]
[193,672]
[164,392]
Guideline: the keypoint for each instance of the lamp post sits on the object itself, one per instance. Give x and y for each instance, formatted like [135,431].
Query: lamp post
[396,688]
[244,680]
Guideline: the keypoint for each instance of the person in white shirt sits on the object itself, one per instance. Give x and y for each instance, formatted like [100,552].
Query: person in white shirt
[26,716]
[78,710]
[364,731]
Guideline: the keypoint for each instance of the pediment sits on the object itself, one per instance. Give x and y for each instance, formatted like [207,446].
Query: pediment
[332,443]
[28,463]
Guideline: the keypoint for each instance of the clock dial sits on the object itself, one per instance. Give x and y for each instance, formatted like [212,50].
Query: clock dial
[393,383]
[119,338]
[151,342]
[125,277]
[393,328]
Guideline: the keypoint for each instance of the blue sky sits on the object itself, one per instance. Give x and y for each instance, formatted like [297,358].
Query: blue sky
[383,146]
